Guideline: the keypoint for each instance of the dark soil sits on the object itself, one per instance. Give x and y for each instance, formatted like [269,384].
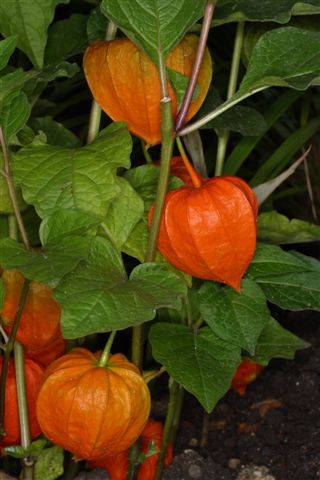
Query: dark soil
[275,425]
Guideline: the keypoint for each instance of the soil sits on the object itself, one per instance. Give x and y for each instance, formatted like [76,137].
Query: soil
[271,433]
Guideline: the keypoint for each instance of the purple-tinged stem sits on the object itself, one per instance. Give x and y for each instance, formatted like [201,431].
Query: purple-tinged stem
[208,13]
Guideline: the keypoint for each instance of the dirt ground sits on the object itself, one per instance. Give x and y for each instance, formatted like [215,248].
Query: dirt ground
[272,433]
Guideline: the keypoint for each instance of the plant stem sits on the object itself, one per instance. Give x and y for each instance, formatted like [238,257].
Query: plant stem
[22,399]
[7,352]
[95,113]
[192,173]
[232,87]
[166,154]
[173,396]
[206,24]
[177,414]
[146,153]
[8,176]
[106,352]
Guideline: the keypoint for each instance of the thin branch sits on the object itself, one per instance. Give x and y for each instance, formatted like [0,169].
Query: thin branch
[208,13]
[8,176]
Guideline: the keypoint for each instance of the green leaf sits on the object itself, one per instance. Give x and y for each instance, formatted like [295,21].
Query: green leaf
[276,228]
[144,180]
[29,20]
[237,318]
[285,57]
[96,25]
[244,120]
[180,83]
[50,264]
[286,279]
[267,11]
[15,113]
[49,464]
[154,25]
[136,243]
[276,342]
[7,48]
[54,178]
[201,362]
[98,297]
[124,213]
[66,38]
[33,449]
[56,133]
[66,222]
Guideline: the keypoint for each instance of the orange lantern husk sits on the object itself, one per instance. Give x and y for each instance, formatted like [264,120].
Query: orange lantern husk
[117,466]
[40,320]
[126,83]
[209,230]
[93,411]
[246,373]
[34,374]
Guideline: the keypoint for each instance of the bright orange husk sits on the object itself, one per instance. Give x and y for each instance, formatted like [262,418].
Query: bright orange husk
[210,231]
[40,319]
[126,83]
[117,466]
[93,411]
[50,352]
[246,373]
[33,374]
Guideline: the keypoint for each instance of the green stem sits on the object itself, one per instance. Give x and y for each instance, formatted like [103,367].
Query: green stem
[232,87]
[106,352]
[146,153]
[173,397]
[7,352]
[95,113]
[177,414]
[11,188]
[27,463]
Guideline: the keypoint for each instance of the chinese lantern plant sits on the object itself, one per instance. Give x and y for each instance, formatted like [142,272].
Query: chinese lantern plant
[93,405]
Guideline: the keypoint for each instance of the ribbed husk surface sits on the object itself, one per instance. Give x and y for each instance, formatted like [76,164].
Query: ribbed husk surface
[93,411]
[210,231]
[34,375]
[126,84]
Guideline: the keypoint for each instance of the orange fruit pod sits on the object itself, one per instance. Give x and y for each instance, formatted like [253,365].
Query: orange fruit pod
[209,231]
[33,374]
[90,410]
[117,466]
[245,374]
[126,83]
[48,353]
[40,319]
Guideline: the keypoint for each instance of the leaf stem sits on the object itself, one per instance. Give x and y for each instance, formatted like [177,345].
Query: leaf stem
[106,352]
[95,112]
[8,176]
[237,98]
[173,398]
[146,153]
[206,24]
[195,178]
[232,87]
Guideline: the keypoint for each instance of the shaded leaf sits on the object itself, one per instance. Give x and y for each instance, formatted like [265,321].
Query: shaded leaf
[15,113]
[7,48]
[276,342]
[237,318]
[276,228]
[56,133]
[96,25]
[66,38]
[54,178]
[29,20]
[266,11]
[200,361]
[98,296]
[286,279]
[154,24]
